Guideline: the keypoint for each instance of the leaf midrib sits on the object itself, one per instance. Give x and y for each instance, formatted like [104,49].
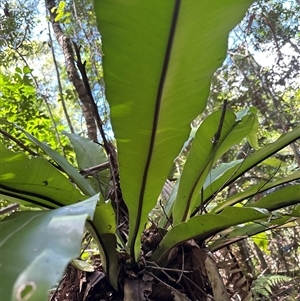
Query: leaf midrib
[155,123]
[242,170]
[208,163]
[18,194]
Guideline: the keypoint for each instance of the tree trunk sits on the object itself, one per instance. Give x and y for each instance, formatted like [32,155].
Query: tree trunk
[72,72]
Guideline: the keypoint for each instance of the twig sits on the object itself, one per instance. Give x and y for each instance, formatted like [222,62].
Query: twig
[87,244]
[57,288]
[165,213]
[163,270]
[198,287]
[156,267]
[9,208]
[99,167]
[93,53]
[225,184]
[189,289]
[164,283]
[108,146]
[182,265]
[268,181]
[61,95]
[23,38]
[18,142]
[81,67]
[272,29]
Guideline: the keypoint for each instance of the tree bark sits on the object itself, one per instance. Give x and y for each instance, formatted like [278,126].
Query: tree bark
[66,46]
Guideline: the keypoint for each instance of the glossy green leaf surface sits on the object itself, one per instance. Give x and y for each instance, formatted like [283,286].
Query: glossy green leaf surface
[213,175]
[254,189]
[40,245]
[104,217]
[260,155]
[90,154]
[279,199]
[149,49]
[203,226]
[109,257]
[80,181]
[243,231]
[252,136]
[203,154]
[218,172]
[296,211]
[35,180]
[274,221]
[103,228]
[238,233]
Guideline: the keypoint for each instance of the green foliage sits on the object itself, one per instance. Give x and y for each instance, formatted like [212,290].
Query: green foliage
[204,153]
[254,190]
[61,15]
[156,88]
[264,286]
[42,243]
[35,181]
[204,226]
[21,105]
[268,82]
[234,172]
[157,74]
[16,29]
[262,241]
[64,164]
[19,99]
[89,154]
[277,199]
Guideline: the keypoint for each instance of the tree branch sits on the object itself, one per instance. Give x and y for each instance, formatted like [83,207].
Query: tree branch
[59,83]
[18,142]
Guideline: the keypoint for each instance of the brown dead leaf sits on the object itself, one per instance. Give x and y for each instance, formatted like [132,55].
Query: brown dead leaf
[218,287]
